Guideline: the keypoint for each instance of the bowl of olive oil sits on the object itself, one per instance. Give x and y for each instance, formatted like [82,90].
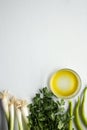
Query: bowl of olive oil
[65,83]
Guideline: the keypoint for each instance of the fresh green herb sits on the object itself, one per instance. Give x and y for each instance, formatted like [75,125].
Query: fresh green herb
[48,113]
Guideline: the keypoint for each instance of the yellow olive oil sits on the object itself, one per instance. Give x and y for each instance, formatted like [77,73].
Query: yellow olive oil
[65,83]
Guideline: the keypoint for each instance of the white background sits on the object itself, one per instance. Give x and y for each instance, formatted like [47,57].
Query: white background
[38,37]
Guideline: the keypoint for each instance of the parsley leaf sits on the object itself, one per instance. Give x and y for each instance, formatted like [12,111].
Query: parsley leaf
[47,112]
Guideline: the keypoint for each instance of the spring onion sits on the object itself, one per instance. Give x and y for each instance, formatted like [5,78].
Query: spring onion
[5,103]
[19,114]
[25,112]
[11,113]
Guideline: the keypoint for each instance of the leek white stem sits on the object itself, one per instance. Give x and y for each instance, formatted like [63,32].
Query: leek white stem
[25,111]
[19,114]
[4,98]
[11,111]
[19,118]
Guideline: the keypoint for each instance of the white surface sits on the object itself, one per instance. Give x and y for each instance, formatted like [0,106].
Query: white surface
[38,37]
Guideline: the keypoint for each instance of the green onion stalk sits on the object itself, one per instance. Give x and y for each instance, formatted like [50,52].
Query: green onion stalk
[19,114]
[4,96]
[25,112]
[11,113]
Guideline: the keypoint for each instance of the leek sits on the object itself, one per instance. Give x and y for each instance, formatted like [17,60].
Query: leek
[11,113]
[5,103]
[19,114]
[25,112]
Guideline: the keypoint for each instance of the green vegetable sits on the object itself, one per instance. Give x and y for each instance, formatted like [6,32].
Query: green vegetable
[4,96]
[48,113]
[71,114]
[78,122]
[19,118]
[11,114]
[19,113]
[84,106]
[8,107]
[5,103]
[25,113]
